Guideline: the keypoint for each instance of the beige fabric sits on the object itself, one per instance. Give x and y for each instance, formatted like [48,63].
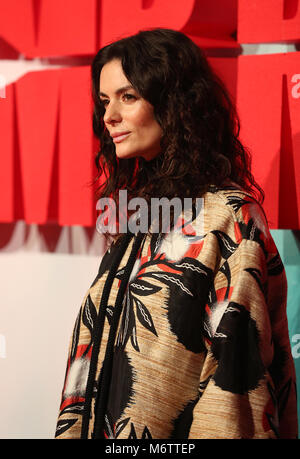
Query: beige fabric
[245,336]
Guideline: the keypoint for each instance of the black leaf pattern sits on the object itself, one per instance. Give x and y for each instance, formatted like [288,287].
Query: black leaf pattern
[283,396]
[275,266]
[144,316]
[237,202]
[141,287]
[128,321]
[89,315]
[120,426]
[257,276]
[227,273]
[75,408]
[132,435]
[75,337]
[109,426]
[133,339]
[63,425]
[155,244]
[146,434]
[226,244]
[273,420]
[170,279]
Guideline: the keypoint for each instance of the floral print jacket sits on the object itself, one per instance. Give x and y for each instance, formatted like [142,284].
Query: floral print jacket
[185,335]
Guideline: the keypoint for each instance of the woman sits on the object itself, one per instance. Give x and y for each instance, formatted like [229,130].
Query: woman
[183,333]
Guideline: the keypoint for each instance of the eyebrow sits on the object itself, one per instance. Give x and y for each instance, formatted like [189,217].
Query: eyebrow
[118,91]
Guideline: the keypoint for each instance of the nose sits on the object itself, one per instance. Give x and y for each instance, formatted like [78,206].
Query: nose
[112,113]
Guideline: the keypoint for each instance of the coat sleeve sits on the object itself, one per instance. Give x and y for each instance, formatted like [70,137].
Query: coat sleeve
[247,384]
[69,420]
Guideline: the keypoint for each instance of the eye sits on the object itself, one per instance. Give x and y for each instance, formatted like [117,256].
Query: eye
[104,102]
[129,96]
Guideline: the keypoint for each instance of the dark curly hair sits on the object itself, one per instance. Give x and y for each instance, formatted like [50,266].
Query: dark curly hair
[199,146]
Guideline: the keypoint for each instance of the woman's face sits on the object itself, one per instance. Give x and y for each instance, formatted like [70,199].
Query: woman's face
[127,112]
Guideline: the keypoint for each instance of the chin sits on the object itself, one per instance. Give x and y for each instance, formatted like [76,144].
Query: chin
[126,154]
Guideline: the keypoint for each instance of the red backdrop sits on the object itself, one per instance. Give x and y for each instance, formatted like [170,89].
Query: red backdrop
[46,140]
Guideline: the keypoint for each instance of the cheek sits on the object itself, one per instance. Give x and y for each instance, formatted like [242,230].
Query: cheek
[142,117]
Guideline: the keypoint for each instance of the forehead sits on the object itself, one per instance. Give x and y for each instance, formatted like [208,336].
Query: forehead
[112,77]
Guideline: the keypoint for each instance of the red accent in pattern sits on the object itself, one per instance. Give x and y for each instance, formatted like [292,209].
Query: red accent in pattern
[81,348]
[194,250]
[70,400]
[237,232]
[270,410]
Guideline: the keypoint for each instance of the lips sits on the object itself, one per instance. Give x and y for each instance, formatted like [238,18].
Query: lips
[119,136]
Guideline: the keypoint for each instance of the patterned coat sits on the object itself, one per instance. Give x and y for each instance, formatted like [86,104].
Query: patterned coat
[185,335]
